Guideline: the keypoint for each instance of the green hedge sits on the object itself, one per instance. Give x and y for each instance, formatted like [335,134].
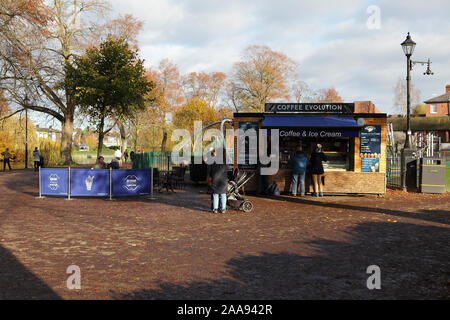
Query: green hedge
[422,123]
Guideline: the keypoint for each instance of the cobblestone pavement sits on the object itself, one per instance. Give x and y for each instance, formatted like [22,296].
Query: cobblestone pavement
[174,248]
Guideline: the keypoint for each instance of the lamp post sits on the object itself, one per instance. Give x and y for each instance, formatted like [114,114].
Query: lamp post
[153,128]
[408,48]
[26,130]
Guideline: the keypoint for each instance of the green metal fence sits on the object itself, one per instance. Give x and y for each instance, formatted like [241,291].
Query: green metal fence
[393,174]
[160,160]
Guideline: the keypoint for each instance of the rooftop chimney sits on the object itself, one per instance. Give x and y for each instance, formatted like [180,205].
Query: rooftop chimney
[447,88]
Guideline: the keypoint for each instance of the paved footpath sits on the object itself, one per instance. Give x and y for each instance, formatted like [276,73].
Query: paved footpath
[173,248]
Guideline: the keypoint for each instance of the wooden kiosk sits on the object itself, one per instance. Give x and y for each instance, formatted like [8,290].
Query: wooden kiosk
[354,143]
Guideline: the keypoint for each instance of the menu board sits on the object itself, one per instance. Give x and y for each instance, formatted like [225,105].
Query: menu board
[370,148]
[247,159]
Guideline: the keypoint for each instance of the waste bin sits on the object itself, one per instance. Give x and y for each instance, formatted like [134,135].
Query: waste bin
[432,177]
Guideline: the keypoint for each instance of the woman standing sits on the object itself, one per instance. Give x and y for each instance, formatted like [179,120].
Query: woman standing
[219,184]
[317,157]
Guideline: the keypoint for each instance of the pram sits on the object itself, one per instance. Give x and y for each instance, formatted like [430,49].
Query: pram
[234,198]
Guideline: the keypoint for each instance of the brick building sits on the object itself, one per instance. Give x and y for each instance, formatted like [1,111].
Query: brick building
[439,106]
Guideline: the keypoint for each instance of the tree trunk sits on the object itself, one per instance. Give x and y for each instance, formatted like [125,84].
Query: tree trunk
[66,139]
[123,137]
[164,141]
[101,135]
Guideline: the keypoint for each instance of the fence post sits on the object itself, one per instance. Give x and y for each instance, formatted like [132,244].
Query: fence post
[110,186]
[40,185]
[152,197]
[68,189]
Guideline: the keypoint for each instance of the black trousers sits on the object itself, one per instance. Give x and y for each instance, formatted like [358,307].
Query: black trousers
[6,161]
[37,164]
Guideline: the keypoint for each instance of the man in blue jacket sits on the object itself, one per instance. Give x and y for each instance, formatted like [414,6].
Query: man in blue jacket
[299,162]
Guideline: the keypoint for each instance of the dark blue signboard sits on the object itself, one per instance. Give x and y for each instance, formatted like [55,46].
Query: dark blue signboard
[54,182]
[131,182]
[89,183]
[370,148]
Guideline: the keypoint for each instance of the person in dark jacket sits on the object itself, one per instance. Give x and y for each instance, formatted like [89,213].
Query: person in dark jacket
[114,164]
[37,158]
[6,159]
[299,162]
[317,157]
[219,184]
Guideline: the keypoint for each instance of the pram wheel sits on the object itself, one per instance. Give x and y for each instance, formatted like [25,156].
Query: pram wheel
[246,206]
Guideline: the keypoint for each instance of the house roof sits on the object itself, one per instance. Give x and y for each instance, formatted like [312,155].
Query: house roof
[442,98]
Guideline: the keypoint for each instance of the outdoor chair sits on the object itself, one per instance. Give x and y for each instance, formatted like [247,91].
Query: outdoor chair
[178,177]
[156,179]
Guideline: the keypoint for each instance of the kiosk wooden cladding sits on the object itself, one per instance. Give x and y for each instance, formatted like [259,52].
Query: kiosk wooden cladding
[352,181]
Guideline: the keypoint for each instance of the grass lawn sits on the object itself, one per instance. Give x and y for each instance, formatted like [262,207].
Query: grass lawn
[89,157]
[92,153]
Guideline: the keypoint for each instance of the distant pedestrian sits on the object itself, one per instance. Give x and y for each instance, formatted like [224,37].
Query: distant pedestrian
[118,154]
[299,162]
[6,158]
[37,159]
[132,155]
[125,155]
[317,157]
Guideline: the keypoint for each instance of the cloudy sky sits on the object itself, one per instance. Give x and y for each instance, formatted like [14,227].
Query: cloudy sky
[336,43]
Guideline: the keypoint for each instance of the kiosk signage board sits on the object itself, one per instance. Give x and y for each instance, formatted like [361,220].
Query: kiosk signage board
[311,107]
[370,148]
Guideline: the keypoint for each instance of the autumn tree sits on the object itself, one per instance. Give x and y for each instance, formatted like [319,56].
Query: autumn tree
[4,106]
[420,109]
[165,98]
[108,81]
[301,92]
[204,86]
[262,76]
[125,26]
[400,96]
[329,95]
[38,40]
[194,110]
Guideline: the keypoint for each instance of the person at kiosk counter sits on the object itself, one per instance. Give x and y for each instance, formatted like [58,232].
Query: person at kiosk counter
[317,157]
[299,162]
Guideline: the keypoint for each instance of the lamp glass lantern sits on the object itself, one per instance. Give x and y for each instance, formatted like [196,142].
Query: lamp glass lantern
[408,45]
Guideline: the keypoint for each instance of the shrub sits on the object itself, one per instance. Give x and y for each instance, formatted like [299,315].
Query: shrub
[51,152]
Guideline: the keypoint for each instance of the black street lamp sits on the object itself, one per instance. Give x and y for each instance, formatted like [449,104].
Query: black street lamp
[153,134]
[408,48]
[26,100]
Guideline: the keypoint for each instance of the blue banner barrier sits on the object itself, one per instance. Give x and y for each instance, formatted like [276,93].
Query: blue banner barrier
[95,183]
[89,183]
[131,182]
[54,182]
